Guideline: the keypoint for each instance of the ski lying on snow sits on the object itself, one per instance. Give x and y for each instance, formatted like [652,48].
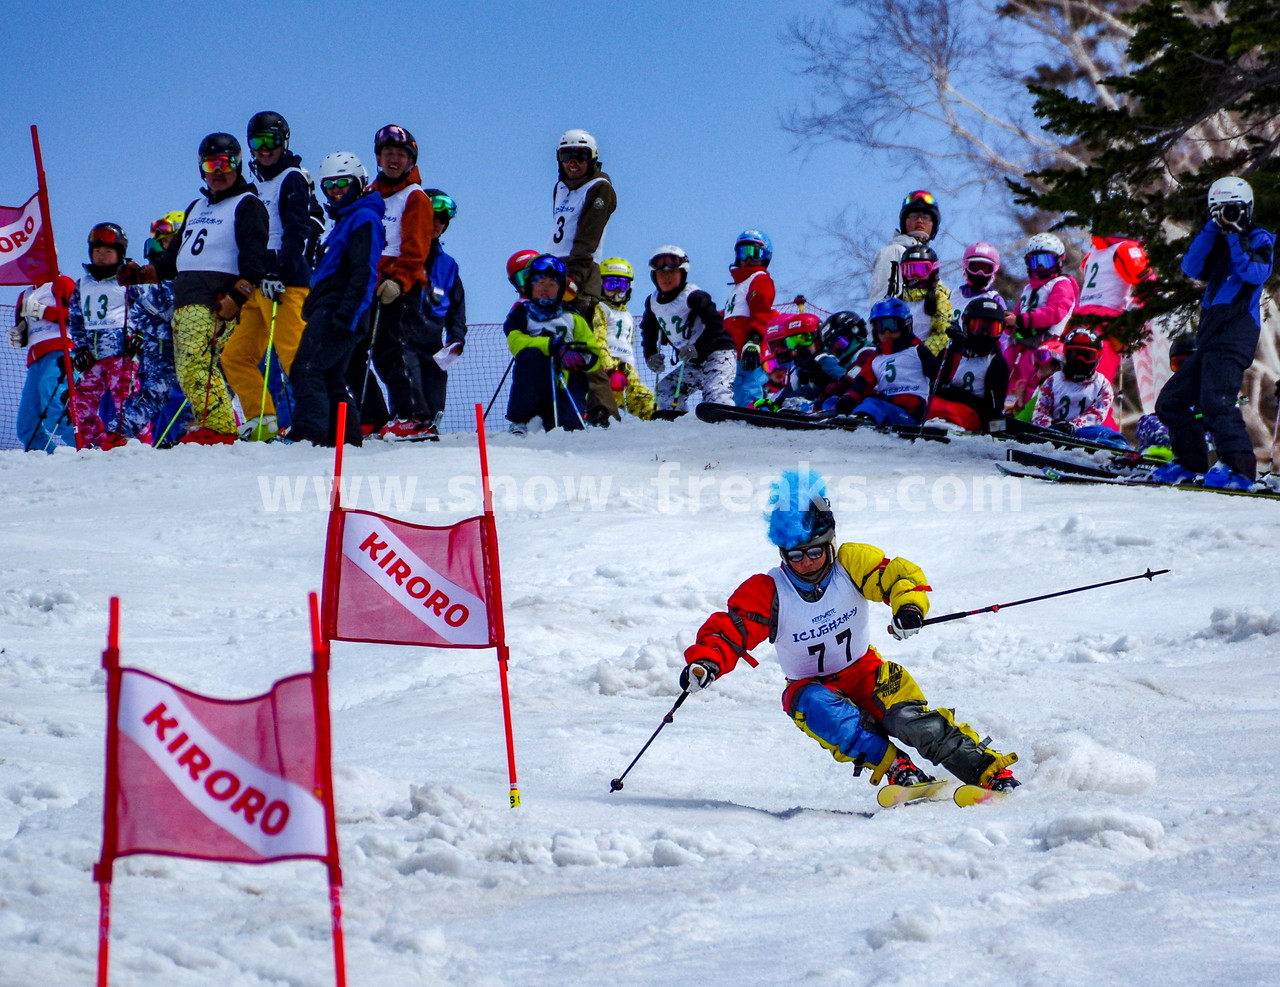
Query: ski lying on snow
[1124,469]
[891,795]
[1069,472]
[709,412]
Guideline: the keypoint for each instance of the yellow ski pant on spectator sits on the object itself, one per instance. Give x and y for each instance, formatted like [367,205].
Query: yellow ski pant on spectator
[198,335]
[243,354]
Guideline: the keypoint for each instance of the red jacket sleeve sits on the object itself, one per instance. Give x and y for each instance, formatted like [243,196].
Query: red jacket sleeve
[752,617]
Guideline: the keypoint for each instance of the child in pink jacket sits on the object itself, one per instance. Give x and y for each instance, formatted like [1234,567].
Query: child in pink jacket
[1041,313]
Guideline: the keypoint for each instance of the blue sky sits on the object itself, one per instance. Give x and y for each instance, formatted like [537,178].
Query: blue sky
[685,101]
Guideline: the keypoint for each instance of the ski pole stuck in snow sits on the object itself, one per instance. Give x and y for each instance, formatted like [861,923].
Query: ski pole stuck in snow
[1047,596]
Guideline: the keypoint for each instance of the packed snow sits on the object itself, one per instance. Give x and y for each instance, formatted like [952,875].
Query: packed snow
[1143,847]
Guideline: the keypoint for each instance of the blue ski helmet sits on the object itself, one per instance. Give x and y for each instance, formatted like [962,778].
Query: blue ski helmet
[545,265]
[752,247]
[799,514]
[891,308]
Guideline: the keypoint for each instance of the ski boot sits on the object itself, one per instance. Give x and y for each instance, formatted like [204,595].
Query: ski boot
[904,772]
[1002,781]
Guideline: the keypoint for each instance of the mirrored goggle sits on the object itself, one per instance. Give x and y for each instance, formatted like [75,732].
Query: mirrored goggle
[445,204]
[985,327]
[796,341]
[839,344]
[1043,356]
[163,227]
[1042,260]
[615,282]
[887,323]
[103,236]
[919,196]
[749,252]
[665,263]
[219,164]
[152,246]
[582,154]
[265,142]
[392,135]
[918,270]
[1082,354]
[812,553]
[979,265]
[341,182]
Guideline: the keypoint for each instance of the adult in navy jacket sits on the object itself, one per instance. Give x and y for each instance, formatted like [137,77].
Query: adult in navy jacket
[444,309]
[1234,257]
[341,292]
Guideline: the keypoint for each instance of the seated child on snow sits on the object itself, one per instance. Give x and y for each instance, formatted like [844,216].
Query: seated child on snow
[892,387]
[981,263]
[926,296]
[971,386]
[1077,400]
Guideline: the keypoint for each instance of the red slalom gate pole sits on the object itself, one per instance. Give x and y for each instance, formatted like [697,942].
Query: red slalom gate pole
[324,743]
[103,868]
[493,574]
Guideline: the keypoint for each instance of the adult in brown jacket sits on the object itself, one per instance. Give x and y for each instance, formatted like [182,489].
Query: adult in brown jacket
[582,202]
[400,336]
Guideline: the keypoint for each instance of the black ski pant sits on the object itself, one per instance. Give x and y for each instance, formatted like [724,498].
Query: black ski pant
[401,354]
[319,380]
[435,381]
[532,393]
[1201,396]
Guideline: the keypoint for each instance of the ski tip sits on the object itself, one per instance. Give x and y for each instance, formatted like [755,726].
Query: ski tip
[967,795]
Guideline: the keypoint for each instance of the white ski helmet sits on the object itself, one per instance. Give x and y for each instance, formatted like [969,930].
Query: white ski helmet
[578,138]
[1046,242]
[671,250]
[1230,189]
[343,164]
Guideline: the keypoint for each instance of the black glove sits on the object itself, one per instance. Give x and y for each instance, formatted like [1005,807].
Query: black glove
[458,344]
[133,344]
[750,358]
[1063,426]
[83,359]
[907,621]
[698,675]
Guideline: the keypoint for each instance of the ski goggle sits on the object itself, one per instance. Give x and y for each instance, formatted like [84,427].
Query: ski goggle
[984,327]
[839,344]
[219,164]
[1043,355]
[812,553]
[105,236]
[666,262]
[341,182]
[392,134]
[919,270]
[163,227]
[920,197]
[265,142]
[980,266]
[441,203]
[615,282]
[796,341]
[749,252]
[887,323]
[579,154]
[1043,260]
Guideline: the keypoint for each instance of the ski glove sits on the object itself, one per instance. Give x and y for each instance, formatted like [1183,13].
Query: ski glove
[655,362]
[133,344]
[18,335]
[687,353]
[907,621]
[698,675]
[83,359]
[573,360]
[389,291]
[272,289]
[750,358]
[226,309]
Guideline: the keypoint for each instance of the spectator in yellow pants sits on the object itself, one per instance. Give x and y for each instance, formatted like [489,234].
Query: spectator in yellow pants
[272,318]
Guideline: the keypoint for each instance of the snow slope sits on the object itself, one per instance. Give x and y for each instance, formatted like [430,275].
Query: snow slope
[1143,848]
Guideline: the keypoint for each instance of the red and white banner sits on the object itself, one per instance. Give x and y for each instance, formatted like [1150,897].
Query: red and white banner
[217,779]
[392,582]
[24,254]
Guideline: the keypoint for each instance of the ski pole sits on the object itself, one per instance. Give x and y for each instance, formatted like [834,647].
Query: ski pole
[1047,596]
[266,370]
[368,366]
[176,415]
[510,363]
[616,784]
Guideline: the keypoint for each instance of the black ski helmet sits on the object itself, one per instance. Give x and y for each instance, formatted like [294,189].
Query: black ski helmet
[216,144]
[268,122]
[983,324]
[108,235]
[1081,351]
[921,201]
